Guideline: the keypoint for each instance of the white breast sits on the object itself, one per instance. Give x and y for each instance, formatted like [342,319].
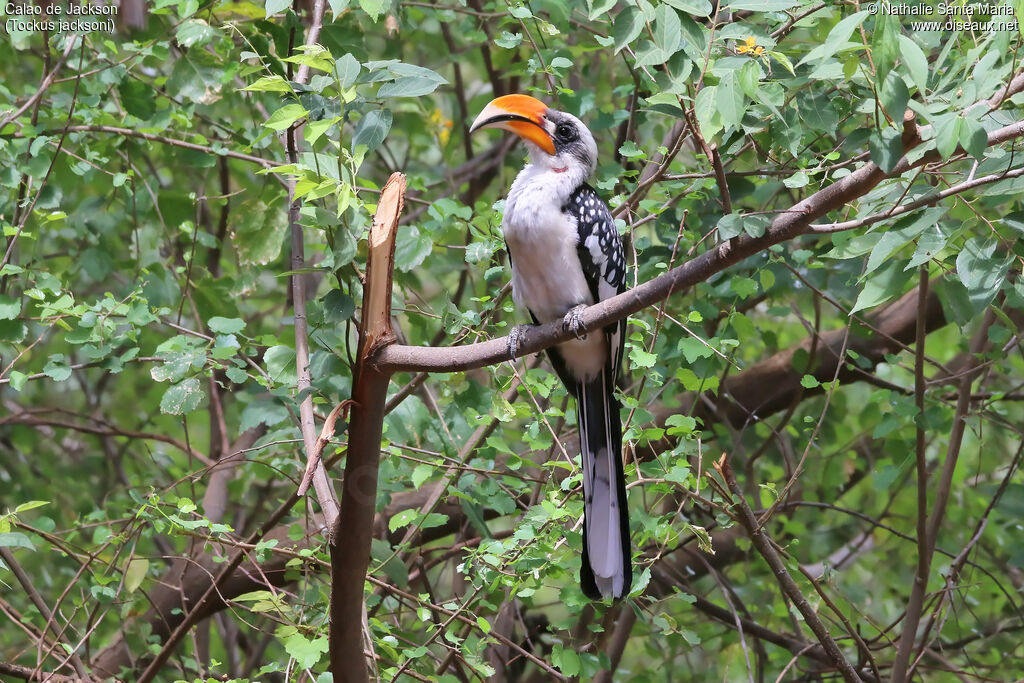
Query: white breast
[547,278]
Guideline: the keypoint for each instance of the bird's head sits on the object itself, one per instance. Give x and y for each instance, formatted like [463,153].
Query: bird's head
[557,141]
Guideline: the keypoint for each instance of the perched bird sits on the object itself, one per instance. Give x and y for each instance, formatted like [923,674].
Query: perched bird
[566,255]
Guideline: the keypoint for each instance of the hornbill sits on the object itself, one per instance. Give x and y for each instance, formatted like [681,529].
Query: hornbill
[566,255]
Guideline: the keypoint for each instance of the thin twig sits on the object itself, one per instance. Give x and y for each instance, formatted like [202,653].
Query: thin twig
[765,547]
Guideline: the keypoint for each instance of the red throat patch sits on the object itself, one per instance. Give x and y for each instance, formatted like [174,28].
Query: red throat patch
[560,170]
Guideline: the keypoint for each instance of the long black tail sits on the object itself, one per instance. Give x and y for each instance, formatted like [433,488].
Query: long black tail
[606,570]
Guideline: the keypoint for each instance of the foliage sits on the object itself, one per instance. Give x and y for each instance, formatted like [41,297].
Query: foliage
[147,332]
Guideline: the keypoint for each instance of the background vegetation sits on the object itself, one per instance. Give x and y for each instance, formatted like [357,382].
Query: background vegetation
[840,187]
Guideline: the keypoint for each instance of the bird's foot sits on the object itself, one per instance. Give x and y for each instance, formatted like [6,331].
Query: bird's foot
[515,338]
[573,321]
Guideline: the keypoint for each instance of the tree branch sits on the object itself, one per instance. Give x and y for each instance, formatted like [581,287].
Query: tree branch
[767,550]
[786,226]
[353,531]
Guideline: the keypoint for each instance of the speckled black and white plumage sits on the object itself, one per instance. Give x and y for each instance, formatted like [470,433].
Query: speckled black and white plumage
[565,252]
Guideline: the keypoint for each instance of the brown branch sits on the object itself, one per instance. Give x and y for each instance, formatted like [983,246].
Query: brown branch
[44,86]
[915,604]
[174,142]
[28,418]
[620,637]
[191,591]
[923,556]
[44,610]
[353,531]
[770,385]
[766,548]
[25,673]
[300,283]
[786,226]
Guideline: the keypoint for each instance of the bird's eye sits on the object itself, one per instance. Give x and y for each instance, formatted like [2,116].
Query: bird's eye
[565,132]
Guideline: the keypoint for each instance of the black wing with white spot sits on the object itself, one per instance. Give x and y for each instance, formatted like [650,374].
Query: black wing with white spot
[602,257]
[600,247]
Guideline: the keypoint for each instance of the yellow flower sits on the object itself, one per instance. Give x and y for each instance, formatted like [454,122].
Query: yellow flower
[750,46]
[442,125]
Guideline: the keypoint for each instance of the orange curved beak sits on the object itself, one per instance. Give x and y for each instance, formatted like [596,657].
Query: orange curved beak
[520,114]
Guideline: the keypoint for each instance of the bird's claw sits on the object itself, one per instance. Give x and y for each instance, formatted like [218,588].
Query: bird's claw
[573,321]
[515,338]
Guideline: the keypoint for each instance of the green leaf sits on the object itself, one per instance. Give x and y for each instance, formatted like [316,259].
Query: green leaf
[403,69]
[373,8]
[798,179]
[882,286]
[569,663]
[947,134]
[837,38]
[706,109]
[57,368]
[981,270]
[280,362]
[31,505]
[508,40]
[641,359]
[762,5]
[176,364]
[420,474]
[885,45]
[10,307]
[667,30]
[407,86]
[628,25]
[698,8]
[315,129]
[748,76]
[730,100]
[809,382]
[973,138]
[18,380]
[258,231]
[137,98]
[269,84]
[135,573]
[194,33]
[307,652]
[902,233]
[347,69]
[630,150]
[744,287]
[480,251]
[915,62]
[886,148]
[372,129]
[650,54]
[338,6]
[284,117]
[930,243]
[894,96]
[182,398]
[225,325]
[273,7]
[597,8]
[15,539]
[267,411]
[412,247]
[730,226]
[402,519]
[694,349]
